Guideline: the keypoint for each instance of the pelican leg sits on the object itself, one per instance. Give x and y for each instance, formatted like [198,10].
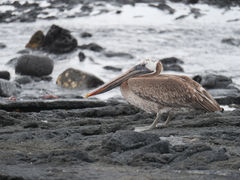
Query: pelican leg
[152,126]
[162,125]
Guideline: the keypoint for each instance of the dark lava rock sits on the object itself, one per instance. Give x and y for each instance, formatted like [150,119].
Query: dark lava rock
[111,68]
[219,3]
[126,140]
[172,64]
[29,79]
[229,99]
[9,177]
[111,54]
[12,62]
[211,81]
[92,46]
[31,125]
[81,56]
[192,1]
[171,60]
[36,40]
[196,13]
[86,35]
[4,75]
[92,140]
[164,7]
[8,88]
[59,40]
[73,78]
[231,41]
[2,46]
[24,51]
[86,8]
[118,12]
[34,65]
[222,3]
[23,79]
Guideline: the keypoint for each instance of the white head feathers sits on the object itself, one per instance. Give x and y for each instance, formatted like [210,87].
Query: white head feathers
[151,64]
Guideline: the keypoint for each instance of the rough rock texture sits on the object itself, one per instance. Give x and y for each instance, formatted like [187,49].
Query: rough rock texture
[59,40]
[81,56]
[36,40]
[231,41]
[92,46]
[8,88]
[211,81]
[220,87]
[111,68]
[86,35]
[111,54]
[76,79]
[4,75]
[164,7]
[34,65]
[96,141]
[2,46]
[172,64]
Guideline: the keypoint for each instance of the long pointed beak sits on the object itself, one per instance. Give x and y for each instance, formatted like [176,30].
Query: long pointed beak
[133,72]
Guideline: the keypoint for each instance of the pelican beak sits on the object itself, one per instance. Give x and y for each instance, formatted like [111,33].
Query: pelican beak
[133,72]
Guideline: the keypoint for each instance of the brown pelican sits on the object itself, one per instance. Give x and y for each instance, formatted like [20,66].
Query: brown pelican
[144,87]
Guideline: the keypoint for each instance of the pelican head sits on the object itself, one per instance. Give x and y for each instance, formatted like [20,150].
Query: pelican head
[147,66]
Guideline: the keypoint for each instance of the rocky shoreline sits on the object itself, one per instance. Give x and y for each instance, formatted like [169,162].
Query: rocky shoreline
[32,11]
[48,131]
[96,141]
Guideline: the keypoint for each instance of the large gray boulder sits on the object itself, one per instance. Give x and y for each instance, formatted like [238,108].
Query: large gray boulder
[34,65]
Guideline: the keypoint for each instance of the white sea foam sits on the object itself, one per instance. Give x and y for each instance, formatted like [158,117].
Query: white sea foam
[142,31]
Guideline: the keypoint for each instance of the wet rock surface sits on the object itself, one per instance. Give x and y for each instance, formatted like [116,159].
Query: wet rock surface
[4,75]
[221,87]
[172,64]
[2,45]
[92,46]
[34,65]
[8,88]
[32,11]
[59,40]
[76,79]
[95,140]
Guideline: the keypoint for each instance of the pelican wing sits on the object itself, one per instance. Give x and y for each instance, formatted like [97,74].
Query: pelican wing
[173,91]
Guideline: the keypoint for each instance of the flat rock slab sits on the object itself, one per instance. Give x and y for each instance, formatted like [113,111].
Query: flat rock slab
[84,139]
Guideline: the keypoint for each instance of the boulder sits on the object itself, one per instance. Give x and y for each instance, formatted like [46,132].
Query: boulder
[231,41]
[12,62]
[163,7]
[111,68]
[171,60]
[36,40]
[172,64]
[2,46]
[86,35]
[126,140]
[8,88]
[111,54]
[34,65]
[81,56]
[92,46]
[211,81]
[59,40]
[4,75]
[76,79]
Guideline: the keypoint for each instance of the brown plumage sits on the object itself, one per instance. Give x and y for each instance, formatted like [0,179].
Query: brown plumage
[173,91]
[157,93]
